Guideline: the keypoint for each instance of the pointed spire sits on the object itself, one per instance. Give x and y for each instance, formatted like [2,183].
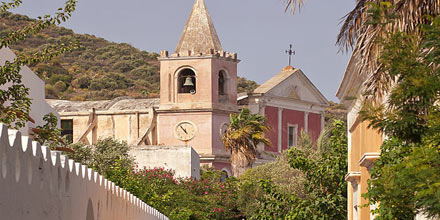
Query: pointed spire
[199,35]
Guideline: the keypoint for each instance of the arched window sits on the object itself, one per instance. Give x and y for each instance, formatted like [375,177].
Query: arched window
[224,176]
[221,82]
[187,81]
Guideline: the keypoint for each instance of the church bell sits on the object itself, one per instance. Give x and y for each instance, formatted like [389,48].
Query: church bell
[188,81]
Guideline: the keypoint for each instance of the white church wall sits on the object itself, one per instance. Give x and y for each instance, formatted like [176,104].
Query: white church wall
[39,106]
[38,184]
[184,160]
[296,85]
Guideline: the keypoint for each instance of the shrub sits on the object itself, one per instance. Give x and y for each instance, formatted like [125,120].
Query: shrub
[50,92]
[103,156]
[60,86]
[279,172]
[82,82]
[60,77]
[111,81]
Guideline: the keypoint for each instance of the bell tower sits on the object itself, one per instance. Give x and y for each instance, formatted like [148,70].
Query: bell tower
[198,90]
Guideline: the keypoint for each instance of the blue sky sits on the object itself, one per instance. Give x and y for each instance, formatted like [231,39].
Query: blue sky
[258,30]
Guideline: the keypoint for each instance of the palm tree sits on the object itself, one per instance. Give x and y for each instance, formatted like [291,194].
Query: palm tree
[361,36]
[245,132]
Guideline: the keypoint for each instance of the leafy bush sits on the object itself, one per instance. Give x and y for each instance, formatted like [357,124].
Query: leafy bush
[244,85]
[60,86]
[324,183]
[207,198]
[177,198]
[111,81]
[103,156]
[60,77]
[82,82]
[50,92]
[279,172]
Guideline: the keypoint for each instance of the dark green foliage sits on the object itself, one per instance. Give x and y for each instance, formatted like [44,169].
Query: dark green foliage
[60,78]
[279,172]
[244,85]
[96,59]
[48,134]
[103,155]
[335,111]
[325,177]
[406,179]
[14,97]
[207,198]
[324,184]
[111,81]
[60,86]
[83,82]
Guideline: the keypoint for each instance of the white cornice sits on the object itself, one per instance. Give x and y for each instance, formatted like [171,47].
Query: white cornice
[293,104]
[351,84]
[353,177]
[368,159]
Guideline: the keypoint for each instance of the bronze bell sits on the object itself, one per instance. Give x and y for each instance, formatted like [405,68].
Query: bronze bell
[188,81]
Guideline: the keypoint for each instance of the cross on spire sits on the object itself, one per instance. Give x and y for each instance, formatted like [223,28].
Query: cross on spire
[290,52]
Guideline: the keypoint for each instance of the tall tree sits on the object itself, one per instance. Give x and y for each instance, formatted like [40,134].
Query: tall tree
[406,178]
[245,132]
[325,188]
[361,35]
[14,98]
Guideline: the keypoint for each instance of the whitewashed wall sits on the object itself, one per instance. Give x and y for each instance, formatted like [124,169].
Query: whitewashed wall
[38,184]
[184,160]
[39,106]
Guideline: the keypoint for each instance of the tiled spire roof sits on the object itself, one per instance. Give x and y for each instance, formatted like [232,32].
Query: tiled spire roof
[199,35]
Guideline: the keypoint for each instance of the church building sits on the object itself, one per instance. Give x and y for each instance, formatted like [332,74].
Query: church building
[198,92]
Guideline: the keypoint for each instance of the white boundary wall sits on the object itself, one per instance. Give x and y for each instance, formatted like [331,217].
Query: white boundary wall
[38,184]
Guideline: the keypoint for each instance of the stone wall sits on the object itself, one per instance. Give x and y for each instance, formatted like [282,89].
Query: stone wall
[184,160]
[129,126]
[38,184]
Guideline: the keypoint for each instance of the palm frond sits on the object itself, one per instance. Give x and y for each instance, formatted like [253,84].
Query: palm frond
[361,35]
[293,5]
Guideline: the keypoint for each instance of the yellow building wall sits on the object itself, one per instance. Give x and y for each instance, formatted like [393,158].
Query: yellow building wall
[362,140]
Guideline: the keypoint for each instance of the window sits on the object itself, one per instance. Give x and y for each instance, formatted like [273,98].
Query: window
[224,176]
[221,82]
[67,130]
[187,81]
[355,201]
[292,134]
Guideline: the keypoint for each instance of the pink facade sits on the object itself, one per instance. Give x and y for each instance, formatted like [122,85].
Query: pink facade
[272,120]
[291,117]
[314,126]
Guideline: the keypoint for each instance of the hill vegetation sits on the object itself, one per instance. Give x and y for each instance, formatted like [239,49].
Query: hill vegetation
[98,70]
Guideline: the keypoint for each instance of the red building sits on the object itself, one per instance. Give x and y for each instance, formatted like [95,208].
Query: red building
[291,103]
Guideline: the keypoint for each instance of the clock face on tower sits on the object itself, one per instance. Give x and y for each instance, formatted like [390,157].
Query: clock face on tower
[185,130]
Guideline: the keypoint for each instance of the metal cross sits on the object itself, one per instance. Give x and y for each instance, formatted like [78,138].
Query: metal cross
[291,52]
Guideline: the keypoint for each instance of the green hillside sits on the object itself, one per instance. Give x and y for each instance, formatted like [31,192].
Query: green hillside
[98,70]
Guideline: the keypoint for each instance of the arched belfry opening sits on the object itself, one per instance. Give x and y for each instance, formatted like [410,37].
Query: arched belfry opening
[187,81]
[222,83]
